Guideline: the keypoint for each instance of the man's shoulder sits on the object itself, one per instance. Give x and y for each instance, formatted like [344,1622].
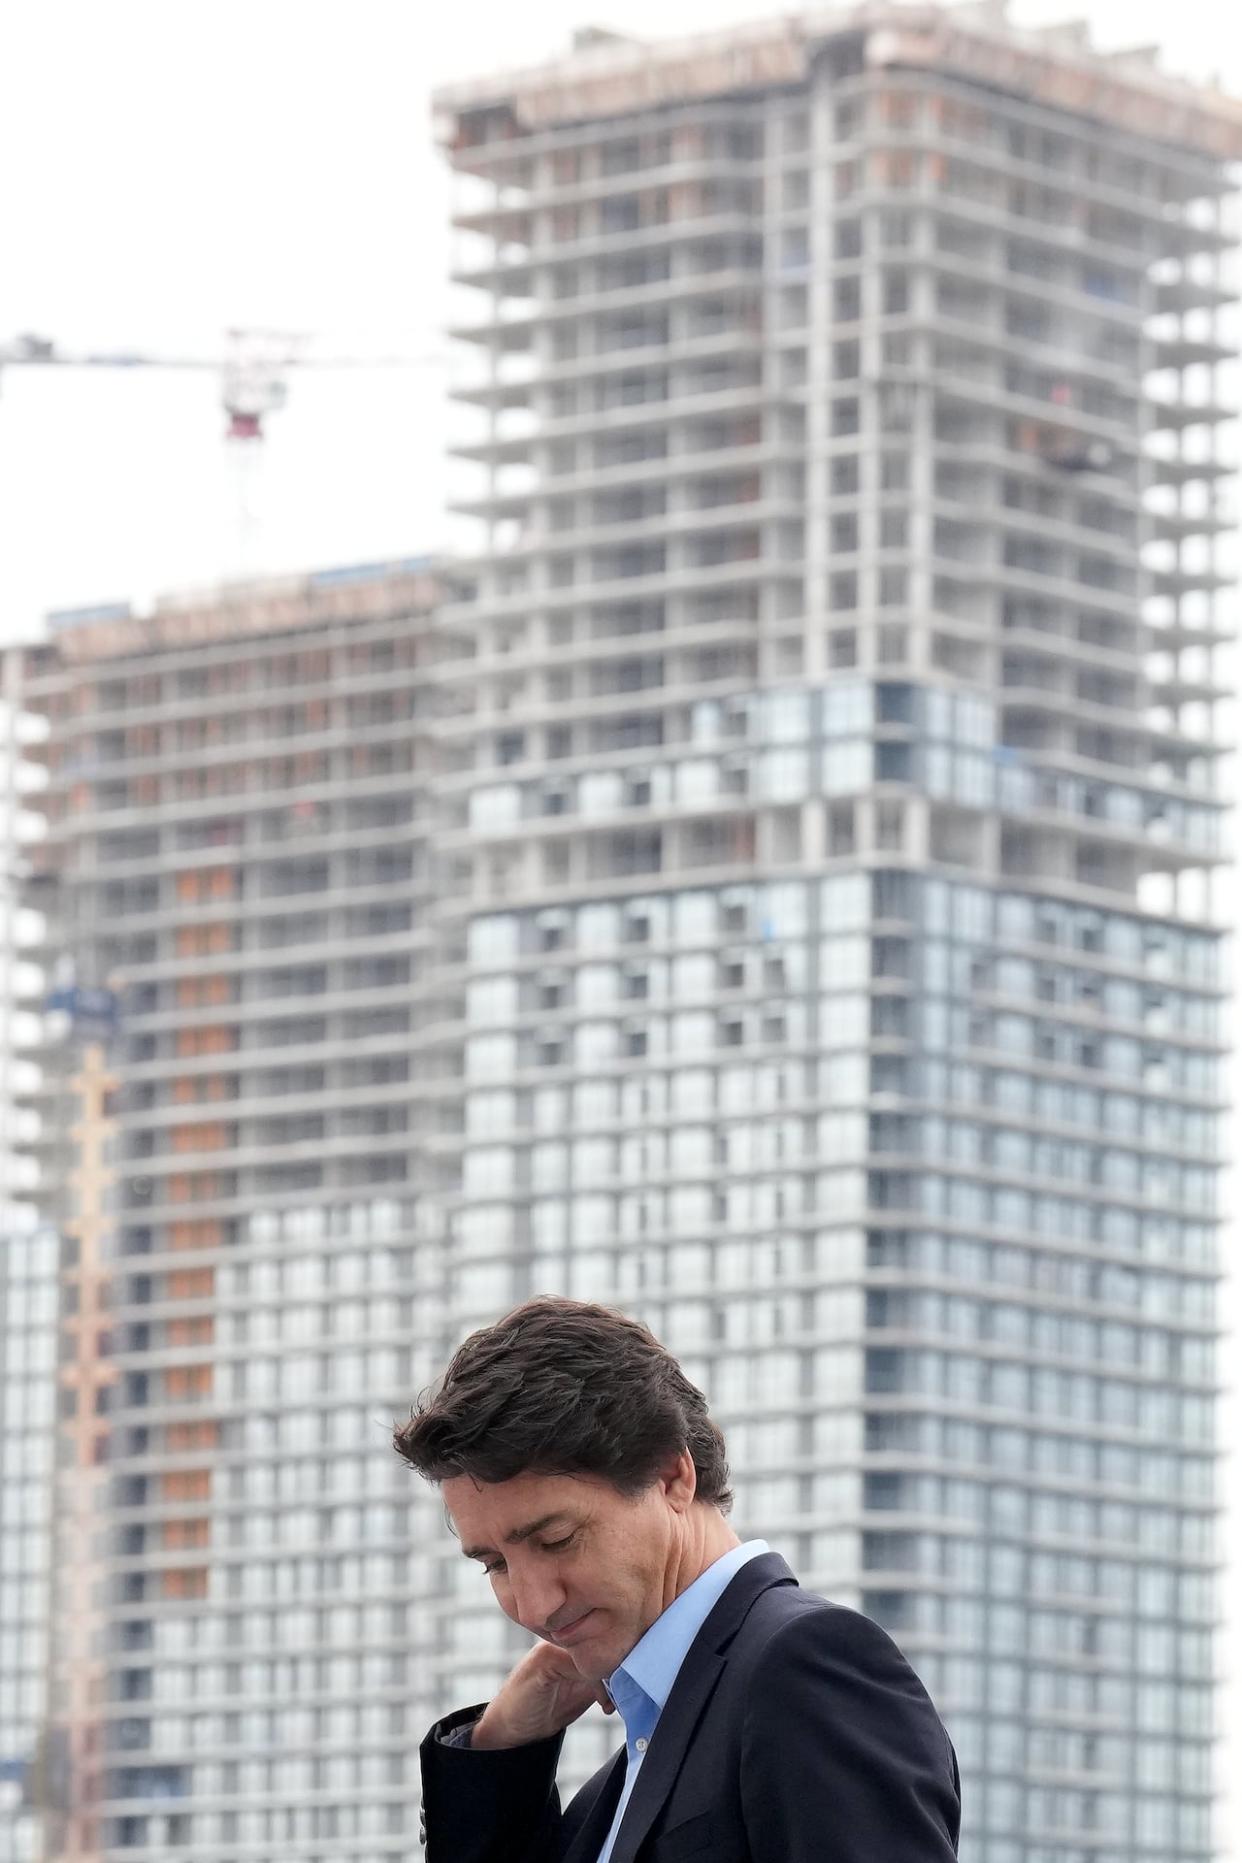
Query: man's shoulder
[780,1603]
[785,1620]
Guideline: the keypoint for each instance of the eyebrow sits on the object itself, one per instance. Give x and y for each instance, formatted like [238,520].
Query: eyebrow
[517,1536]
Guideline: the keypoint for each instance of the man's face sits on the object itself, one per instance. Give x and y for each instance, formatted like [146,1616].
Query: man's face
[572,1560]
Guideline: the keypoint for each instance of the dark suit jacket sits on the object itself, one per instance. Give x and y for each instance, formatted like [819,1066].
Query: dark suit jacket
[796,1732]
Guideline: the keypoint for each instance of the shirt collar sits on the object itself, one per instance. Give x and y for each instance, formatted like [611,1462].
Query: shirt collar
[652,1666]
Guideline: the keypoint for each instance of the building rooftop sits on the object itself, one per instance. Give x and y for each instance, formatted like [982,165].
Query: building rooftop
[606,75]
[265,605]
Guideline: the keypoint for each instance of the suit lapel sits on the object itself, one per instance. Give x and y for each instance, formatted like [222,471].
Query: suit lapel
[674,1731]
[687,1703]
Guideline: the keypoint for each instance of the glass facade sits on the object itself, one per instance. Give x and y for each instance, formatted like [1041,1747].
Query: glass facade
[916,1176]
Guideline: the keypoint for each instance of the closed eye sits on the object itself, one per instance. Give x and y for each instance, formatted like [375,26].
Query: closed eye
[546,1545]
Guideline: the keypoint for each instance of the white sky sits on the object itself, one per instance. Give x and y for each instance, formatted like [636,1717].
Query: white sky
[173,168]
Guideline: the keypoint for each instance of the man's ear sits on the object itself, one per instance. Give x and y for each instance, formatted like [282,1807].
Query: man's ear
[680,1481]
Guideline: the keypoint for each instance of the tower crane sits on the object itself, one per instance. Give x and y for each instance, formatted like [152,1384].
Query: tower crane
[252,368]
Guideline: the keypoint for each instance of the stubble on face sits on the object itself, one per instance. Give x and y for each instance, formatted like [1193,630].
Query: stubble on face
[631,1598]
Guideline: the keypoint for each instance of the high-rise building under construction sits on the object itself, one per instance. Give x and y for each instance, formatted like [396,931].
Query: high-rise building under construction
[770,890]
[246,1067]
[837,746]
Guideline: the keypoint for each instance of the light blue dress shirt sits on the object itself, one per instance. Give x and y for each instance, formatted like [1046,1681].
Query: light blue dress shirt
[644,1682]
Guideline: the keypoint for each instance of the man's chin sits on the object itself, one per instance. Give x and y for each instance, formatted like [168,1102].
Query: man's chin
[597,1659]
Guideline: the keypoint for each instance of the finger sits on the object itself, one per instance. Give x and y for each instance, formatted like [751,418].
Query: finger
[605,1701]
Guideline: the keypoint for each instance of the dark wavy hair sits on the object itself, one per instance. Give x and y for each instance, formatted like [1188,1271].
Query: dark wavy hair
[565,1387]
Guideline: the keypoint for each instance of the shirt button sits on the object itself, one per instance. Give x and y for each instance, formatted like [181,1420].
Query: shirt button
[640,1746]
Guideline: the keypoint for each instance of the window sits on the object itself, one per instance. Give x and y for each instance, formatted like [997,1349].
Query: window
[847,300]
[551,931]
[845,475]
[849,239]
[846,363]
[842,829]
[896,293]
[845,416]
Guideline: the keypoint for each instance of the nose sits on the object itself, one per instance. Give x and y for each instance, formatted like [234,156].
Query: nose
[538,1597]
